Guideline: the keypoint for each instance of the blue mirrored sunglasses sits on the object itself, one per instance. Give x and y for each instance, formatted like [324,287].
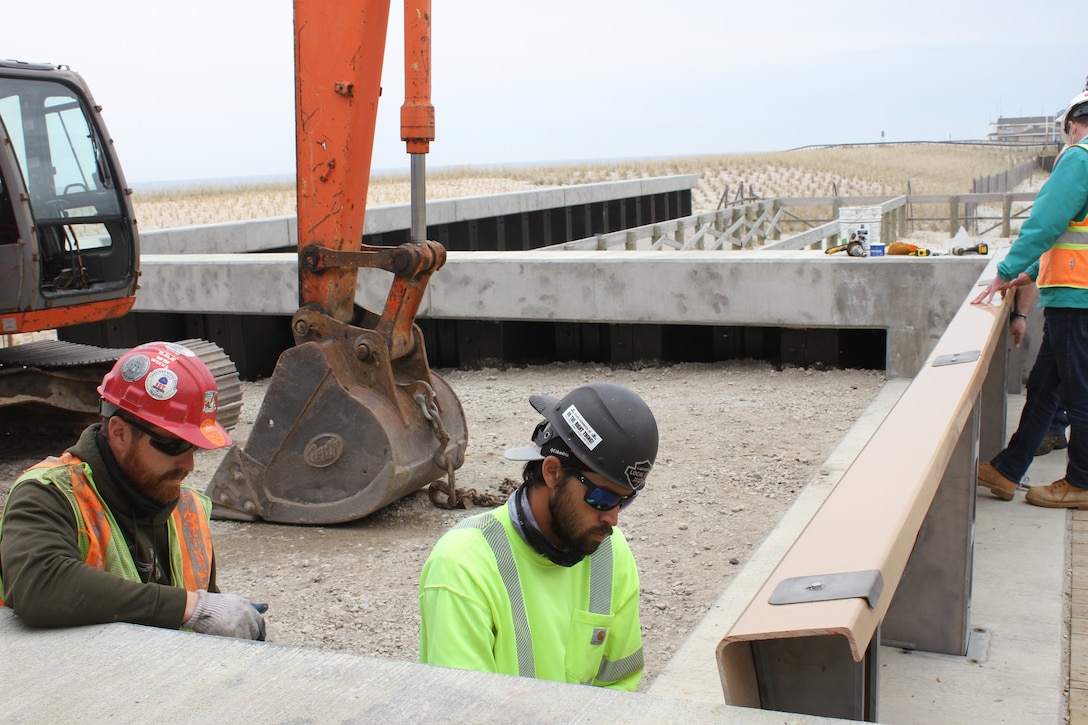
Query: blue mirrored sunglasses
[601,498]
[172,447]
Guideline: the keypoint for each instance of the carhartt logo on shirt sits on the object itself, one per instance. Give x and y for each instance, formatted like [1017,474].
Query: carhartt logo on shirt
[599,635]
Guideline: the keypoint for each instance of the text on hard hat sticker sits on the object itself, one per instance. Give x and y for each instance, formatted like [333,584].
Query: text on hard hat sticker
[161,384]
[637,472]
[178,349]
[581,427]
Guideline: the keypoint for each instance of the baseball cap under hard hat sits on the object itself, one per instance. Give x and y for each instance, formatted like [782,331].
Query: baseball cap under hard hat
[606,427]
[167,385]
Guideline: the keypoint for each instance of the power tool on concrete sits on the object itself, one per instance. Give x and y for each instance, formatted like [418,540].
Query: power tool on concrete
[980,248]
[853,247]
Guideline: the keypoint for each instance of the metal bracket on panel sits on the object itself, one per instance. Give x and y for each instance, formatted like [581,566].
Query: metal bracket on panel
[867,585]
[955,358]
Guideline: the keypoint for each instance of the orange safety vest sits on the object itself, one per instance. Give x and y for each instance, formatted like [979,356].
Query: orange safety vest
[1066,263]
[189,530]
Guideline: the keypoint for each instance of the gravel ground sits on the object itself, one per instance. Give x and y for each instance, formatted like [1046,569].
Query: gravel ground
[738,441]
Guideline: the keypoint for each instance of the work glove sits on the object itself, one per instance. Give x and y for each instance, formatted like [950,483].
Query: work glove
[225,615]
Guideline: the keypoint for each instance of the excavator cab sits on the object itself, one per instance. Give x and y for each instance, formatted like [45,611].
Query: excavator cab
[68,242]
[353,418]
[69,250]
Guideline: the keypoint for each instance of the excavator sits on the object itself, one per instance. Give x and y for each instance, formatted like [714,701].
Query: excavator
[353,418]
[69,251]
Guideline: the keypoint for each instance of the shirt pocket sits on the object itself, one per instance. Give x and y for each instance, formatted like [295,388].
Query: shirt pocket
[587,641]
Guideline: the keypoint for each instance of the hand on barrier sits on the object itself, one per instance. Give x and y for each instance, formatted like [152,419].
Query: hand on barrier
[226,615]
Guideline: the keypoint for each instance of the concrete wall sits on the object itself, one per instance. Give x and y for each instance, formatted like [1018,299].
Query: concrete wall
[282,232]
[913,298]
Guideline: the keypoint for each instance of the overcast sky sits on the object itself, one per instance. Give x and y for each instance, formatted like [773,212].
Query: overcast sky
[203,89]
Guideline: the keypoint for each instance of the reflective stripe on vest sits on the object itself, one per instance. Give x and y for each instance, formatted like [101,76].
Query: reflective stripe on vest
[188,526]
[1066,263]
[600,588]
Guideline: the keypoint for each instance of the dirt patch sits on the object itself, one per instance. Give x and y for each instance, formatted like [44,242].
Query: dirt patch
[738,441]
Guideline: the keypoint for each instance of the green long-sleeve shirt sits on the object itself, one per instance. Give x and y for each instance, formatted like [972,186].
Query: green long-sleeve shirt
[468,614]
[44,576]
[1063,198]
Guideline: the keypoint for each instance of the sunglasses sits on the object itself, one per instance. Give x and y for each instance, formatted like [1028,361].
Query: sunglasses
[601,498]
[172,447]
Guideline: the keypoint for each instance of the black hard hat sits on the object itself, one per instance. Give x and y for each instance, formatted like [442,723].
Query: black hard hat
[607,427]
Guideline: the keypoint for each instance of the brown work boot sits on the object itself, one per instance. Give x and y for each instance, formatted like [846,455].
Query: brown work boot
[1051,442]
[1058,495]
[1001,487]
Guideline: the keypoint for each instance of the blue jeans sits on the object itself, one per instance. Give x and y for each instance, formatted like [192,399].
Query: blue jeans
[1060,422]
[1059,376]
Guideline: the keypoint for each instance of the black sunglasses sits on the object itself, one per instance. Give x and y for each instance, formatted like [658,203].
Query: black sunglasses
[601,498]
[172,447]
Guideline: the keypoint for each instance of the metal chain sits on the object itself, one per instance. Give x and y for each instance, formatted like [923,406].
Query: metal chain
[444,493]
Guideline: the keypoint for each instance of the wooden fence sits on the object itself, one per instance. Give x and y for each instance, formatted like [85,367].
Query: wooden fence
[812,222]
[1010,179]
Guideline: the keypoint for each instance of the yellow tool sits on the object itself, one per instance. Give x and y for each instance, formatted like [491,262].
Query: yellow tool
[980,248]
[853,247]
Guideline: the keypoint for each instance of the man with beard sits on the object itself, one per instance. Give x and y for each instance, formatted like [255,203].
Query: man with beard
[107,532]
[546,586]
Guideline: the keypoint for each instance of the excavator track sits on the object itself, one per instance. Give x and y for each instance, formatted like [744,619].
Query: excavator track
[47,383]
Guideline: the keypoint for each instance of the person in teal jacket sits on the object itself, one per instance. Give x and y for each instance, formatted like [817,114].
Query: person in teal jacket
[546,585]
[1052,248]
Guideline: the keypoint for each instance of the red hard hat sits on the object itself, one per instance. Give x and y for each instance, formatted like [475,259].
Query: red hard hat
[166,384]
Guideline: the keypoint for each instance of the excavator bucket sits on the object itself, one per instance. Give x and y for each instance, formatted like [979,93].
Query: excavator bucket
[339,437]
[353,418]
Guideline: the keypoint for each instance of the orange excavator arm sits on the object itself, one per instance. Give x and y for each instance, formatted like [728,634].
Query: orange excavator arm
[338,57]
[338,66]
[353,418]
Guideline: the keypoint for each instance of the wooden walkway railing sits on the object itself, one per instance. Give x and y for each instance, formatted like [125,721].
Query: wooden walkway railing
[887,557]
[803,222]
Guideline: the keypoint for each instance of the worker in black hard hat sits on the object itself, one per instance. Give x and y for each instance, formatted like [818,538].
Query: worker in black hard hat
[546,586]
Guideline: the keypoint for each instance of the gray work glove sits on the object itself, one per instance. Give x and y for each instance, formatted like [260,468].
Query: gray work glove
[226,615]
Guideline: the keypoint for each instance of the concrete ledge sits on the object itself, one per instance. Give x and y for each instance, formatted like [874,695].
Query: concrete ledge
[141,673]
[913,298]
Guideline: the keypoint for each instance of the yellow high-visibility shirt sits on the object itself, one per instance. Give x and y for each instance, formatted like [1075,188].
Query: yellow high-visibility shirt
[489,602]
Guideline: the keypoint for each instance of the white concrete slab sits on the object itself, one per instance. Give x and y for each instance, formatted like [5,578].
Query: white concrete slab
[142,674]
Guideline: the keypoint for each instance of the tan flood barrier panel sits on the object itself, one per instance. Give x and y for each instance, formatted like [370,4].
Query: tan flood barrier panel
[815,650]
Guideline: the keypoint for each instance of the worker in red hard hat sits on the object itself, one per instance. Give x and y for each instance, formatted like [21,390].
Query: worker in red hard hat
[108,532]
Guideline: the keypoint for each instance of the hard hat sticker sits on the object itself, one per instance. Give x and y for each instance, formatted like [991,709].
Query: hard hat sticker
[135,368]
[178,349]
[212,433]
[637,473]
[211,398]
[162,384]
[581,427]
